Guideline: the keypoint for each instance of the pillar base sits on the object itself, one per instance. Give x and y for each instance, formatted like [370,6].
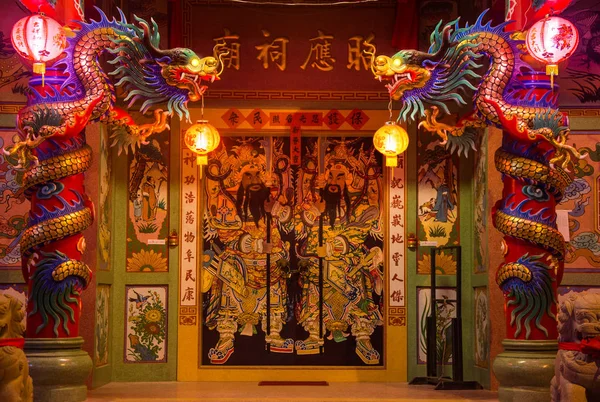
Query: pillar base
[524,370]
[59,369]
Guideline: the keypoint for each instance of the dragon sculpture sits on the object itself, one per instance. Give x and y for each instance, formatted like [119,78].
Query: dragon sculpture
[54,155]
[483,65]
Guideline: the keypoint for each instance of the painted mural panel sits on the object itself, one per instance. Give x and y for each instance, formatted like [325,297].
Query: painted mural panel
[104,204]
[102,322]
[480,184]
[13,208]
[329,193]
[581,199]
[148,221]
[438,221]
[19,292]
[13,76]
[581,78]
[482,328]
[445,311]
[146,324]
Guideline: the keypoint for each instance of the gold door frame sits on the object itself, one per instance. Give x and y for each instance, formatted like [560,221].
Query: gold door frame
[394,368]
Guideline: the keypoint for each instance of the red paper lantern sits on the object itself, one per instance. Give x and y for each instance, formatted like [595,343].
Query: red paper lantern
[39,39]
[551,41]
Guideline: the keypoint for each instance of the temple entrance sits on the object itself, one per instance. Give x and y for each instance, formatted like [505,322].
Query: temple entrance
[311,209]
[313,205]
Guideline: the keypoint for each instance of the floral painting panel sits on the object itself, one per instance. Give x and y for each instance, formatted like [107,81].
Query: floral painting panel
[146,324]
[148,221]
[445,311]
[102,323]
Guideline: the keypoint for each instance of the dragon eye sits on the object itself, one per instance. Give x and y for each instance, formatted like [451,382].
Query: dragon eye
[397,62]
[195,62]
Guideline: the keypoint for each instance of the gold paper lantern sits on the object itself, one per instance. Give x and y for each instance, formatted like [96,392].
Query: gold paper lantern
[202,138]
[391,140]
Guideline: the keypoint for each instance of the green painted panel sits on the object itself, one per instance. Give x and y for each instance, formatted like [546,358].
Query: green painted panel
[469,280]
[141,371]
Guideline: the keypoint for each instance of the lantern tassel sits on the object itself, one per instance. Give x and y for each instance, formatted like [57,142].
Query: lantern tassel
[40,68]
[201,161]
[391,161]
[552,70]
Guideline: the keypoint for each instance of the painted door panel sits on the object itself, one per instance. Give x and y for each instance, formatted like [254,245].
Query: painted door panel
[238,189]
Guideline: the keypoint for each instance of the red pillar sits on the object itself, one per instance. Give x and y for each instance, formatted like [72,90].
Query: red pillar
[533,249]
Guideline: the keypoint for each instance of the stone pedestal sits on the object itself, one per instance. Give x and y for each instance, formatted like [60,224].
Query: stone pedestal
[524,370]
[59,369]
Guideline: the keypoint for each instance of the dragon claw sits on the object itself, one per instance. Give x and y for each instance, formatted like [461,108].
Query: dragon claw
[20,154]
[432,125]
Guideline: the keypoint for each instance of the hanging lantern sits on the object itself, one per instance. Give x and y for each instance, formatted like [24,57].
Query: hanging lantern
[551,41]
[202,138]
[39,39]
[391,140]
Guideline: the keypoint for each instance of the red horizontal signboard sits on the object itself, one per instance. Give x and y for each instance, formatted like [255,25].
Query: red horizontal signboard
[291,48]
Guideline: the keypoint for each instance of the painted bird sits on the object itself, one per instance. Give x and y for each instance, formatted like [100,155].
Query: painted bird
[139,300]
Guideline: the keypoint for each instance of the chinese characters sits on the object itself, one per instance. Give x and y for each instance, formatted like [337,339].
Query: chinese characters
[273,51]
[320,53]
[227,49]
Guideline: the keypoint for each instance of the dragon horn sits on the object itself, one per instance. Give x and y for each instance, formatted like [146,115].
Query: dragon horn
[420,57]
[437,56]
[154,51]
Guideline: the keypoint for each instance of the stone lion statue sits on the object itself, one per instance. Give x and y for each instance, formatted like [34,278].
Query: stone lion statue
[15,382]
[577,367]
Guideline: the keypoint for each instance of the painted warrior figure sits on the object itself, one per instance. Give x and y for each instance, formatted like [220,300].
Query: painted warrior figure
[236,248]
[350,205]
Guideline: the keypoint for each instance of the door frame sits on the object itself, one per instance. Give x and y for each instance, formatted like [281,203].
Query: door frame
[190,319]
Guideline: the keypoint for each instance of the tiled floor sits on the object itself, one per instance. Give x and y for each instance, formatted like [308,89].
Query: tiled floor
[251,392]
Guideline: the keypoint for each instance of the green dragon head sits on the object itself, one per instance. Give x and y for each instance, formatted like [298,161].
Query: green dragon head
[147,73]
[154,75]
[182,67]
[408,69]
[422,79]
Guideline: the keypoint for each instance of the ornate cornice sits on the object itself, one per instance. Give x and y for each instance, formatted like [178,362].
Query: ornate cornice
[11,108]
[581,112]
[297,95]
